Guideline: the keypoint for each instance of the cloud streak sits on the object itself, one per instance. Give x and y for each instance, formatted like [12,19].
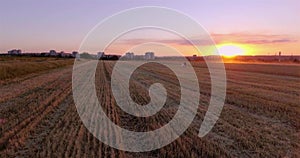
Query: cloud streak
[246,38]
[181,42]
[243,38]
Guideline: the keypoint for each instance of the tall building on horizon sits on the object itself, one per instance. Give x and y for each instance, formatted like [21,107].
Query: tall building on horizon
[149,56]
[129,55]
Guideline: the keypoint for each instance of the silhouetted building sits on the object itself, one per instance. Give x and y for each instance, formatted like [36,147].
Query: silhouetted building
[63,54]
[129,55]
[100,55]
[149,56]
[52,53]
[15,52]
[75,54]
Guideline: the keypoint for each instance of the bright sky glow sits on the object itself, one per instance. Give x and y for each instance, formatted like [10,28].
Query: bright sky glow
[263,27]
[230,50]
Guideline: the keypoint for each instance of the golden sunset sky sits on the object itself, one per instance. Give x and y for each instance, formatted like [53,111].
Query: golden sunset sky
[246,27]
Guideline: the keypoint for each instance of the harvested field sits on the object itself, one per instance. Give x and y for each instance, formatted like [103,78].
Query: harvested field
[261,116]
[12,67]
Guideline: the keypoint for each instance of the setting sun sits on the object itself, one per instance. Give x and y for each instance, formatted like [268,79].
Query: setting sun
[230,50]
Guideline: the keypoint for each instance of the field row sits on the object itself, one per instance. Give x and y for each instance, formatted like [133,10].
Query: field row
[260,118]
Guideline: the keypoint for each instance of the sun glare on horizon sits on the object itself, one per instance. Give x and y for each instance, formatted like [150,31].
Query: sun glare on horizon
[230,50]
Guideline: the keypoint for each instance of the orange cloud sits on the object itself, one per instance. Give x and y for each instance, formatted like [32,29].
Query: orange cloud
[255,43]
[247,38]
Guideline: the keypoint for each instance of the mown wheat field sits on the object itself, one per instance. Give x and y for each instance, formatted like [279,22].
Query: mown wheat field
[261,116]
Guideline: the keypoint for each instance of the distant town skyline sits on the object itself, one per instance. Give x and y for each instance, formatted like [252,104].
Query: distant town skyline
[256,27]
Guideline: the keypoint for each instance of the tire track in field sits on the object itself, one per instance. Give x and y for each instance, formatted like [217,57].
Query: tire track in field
[28,85]
[15,136]
[16,109]
[183,144]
